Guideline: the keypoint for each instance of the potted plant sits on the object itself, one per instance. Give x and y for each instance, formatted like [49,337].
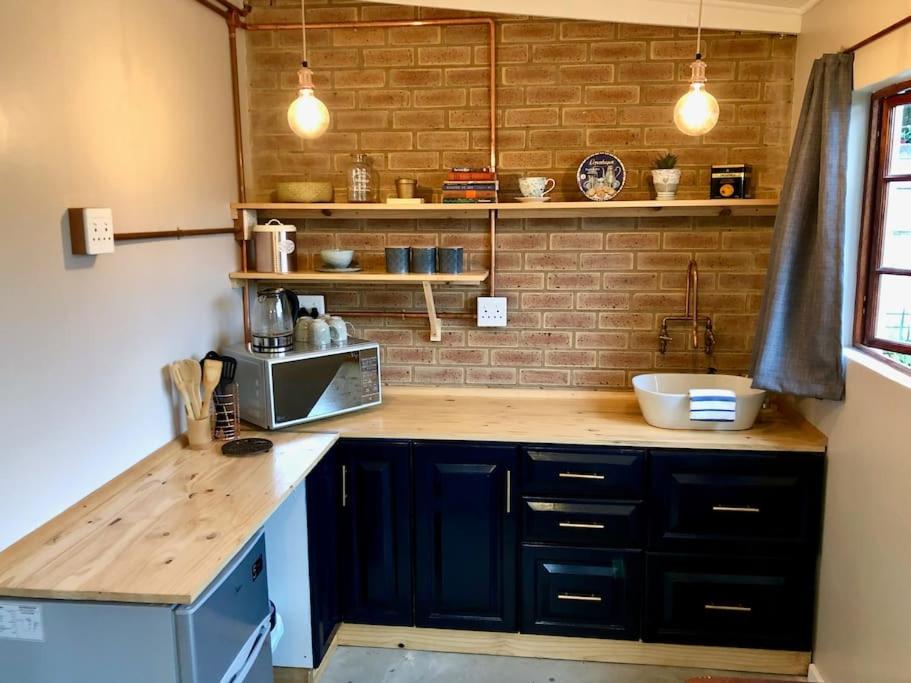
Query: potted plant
[665,177]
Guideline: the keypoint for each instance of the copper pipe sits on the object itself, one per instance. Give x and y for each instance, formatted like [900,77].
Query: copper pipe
[879,34]
[224,14]
[230,6]
[492,40]
[233,22]
[168,234]
[246,293]
[402,314]
[493,253]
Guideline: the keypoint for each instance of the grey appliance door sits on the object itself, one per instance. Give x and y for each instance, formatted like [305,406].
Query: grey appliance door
[216,631]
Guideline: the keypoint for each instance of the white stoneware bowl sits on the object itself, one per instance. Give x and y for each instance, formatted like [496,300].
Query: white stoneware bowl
[337,258]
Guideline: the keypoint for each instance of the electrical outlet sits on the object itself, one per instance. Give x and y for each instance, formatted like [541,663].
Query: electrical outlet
[491,311]
[310,301]
[91,231]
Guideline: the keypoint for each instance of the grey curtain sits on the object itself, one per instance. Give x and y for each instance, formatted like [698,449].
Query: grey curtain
[798,341]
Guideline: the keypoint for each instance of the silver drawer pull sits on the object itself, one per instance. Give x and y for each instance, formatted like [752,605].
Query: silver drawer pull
[728,608]
[579,475]
[581,525]
[733,508]
[580,598]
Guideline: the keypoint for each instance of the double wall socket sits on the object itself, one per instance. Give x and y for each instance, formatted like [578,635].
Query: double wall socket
[91,231]
[491,311]
[310,301]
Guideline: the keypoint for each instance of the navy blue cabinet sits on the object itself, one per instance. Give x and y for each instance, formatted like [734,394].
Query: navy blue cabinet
[466,509]
[322,488]
[376,521]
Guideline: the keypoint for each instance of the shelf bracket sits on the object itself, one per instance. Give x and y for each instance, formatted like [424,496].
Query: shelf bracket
[436,325]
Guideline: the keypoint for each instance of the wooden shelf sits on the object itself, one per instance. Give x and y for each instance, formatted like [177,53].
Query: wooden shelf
[618,208]
[368,277]
[639,209]
[426,280]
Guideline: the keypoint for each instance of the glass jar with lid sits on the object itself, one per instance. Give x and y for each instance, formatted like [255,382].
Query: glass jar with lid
[362,180]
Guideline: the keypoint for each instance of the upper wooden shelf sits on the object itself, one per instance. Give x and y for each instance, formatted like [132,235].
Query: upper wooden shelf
[581,209]
[365,277]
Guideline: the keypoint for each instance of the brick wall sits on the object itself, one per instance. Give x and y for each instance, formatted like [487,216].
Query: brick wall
[585,296]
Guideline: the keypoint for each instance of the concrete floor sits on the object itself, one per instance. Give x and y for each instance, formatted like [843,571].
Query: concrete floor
[374,665]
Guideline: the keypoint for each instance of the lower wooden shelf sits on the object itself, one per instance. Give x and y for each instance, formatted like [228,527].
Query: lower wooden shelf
[426,280]
[784,662]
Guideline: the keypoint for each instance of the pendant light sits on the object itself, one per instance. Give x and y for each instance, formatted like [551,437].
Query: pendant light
[307,115]
[696,113]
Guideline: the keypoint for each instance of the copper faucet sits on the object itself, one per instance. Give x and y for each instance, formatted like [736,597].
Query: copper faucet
[691,315]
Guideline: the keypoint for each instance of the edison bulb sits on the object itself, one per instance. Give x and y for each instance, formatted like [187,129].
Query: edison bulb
[307,115]
[696,113]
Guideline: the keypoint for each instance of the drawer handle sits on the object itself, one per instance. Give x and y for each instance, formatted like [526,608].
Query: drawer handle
[728,608]
[580,475]
[734,508]
[581,525]
[580,598]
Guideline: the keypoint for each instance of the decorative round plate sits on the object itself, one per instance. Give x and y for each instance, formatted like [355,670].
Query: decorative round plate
[601,176]
[242,447]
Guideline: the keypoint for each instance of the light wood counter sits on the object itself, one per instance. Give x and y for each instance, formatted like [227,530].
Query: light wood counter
[555,417]
[163,530]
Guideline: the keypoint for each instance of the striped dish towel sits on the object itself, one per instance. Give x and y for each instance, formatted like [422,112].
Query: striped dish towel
[713,405]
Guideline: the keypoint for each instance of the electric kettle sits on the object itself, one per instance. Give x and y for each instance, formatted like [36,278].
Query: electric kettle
[272,323]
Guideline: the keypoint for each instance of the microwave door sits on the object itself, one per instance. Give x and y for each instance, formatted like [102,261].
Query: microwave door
[316,386]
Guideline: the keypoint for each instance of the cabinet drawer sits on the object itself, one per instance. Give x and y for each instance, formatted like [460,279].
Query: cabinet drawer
[755,503]
[581,591]
[742,602]
[602,472]
[580,522]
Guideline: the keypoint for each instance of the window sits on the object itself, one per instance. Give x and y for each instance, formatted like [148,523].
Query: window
[884,287]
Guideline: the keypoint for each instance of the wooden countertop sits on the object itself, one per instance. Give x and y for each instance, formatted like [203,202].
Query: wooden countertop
[555,417]
[163,530]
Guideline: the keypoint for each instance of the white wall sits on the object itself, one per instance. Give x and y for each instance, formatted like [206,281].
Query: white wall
[126,104]
[864,607]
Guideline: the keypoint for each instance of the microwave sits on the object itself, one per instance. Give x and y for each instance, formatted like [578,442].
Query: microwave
[308,383]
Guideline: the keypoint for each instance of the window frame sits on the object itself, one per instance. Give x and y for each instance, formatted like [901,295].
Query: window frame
[876,184]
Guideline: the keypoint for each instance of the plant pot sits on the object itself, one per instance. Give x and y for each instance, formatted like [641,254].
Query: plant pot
[666,181]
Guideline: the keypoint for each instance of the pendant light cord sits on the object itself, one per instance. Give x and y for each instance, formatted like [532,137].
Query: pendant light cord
[698,33]
[303,34]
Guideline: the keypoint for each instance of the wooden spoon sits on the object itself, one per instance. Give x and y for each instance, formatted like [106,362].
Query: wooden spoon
[191,374]
[211,377]
[177,380]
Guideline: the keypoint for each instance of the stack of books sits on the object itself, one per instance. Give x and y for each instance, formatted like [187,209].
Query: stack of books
[471,186]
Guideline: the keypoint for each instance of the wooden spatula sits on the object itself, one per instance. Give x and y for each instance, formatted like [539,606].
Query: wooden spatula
[211,374]
[180,385]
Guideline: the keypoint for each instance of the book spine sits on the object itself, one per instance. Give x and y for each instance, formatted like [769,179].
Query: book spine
[470,194]
[468,169]
[472,185]
[452,200]
[468,176]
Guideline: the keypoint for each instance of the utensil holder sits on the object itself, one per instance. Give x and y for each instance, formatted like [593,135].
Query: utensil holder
[199,432]
[452,259]
[397,259]
[226,403]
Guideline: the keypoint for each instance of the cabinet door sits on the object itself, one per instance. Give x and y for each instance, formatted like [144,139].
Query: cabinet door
[466,505]
[376,531]
[322,486]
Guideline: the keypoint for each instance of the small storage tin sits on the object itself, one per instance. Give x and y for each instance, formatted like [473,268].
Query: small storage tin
[451,259]
[397,259]
[731,181]
[423,259]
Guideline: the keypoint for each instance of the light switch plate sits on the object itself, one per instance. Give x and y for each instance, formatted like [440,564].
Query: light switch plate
[491,311]
[91,231]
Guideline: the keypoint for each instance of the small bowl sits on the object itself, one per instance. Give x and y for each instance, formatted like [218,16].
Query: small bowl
[337,258]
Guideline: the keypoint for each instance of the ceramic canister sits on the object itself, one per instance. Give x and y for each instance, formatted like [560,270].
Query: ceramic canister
[423,259]
[451,259]
[397,259]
